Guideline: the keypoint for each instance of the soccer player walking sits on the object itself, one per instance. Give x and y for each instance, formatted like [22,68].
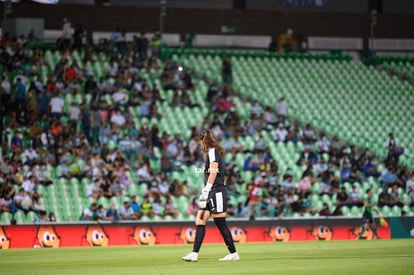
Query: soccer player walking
[213,201]
[367,216]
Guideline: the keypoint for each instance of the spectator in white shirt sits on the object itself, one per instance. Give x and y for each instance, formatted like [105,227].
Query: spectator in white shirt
[74,116]
[164,187]
[89,214]
[308,134]
[280,133]
[94,190]
[56,106]
[321,167]
[118,119]
[29,185]
[74,112]
[409,187]
[323,144]
[23,200]
[112,69]
[172,149]
[5,85]
[30,157]
[282,109]
[143,174]
[138,85]
[256,109]
[355,197]
[120,97]
[43,176]
[46,138]
[127,213]
[270,117]
[5,90]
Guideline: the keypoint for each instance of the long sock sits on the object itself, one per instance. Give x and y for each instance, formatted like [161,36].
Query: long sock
[199,237]
[374,230]
[225,233]
[362,231]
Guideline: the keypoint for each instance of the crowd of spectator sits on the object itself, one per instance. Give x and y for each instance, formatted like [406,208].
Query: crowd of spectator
[41,135]
[39,130]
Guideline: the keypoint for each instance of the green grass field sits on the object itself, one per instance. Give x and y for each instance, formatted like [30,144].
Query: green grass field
[347,257]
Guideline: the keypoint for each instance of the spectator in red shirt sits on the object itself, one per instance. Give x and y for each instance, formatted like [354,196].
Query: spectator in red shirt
[224,105]
[70,74]
[56,129]
[255,196]
[51,85]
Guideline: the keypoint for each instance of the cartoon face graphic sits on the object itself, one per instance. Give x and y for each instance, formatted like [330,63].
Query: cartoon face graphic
[144,235]
[96,236]
[187,234]
[322,233]
[279,233]
[4,239]
[47,237]
[239,234]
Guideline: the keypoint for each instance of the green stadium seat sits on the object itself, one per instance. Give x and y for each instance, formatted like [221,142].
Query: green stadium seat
[396,211]
[385,211]
[20,217]
[356,211]
[346,211]
[5,218]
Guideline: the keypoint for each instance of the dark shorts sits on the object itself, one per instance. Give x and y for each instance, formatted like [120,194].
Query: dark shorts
[218,200]
[367,217]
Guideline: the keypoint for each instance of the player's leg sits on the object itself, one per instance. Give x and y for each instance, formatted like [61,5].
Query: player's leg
[220,221]
[373,227]
[363,229]
[367,217]
[200,222]
[219,213]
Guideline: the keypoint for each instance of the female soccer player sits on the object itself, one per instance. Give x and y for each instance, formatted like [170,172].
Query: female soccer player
[213,201]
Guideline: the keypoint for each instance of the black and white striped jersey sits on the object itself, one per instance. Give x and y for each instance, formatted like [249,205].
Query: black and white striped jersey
[214,156]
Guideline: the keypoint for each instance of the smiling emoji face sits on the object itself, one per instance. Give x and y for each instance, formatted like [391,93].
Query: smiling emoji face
[187,234]
[4,239]
[279,233]
[143,235]
[47,237]
[239,234]
[322,233]
[96,236]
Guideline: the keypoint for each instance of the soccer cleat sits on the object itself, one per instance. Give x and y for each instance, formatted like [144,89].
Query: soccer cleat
[191,257]
[231,257]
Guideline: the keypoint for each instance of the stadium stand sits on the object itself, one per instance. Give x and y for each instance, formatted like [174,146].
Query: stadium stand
[324,80]
[317,89]
[400,66]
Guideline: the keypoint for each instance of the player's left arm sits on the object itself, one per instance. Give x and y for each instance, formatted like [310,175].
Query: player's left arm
[372,205]
[213,169]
